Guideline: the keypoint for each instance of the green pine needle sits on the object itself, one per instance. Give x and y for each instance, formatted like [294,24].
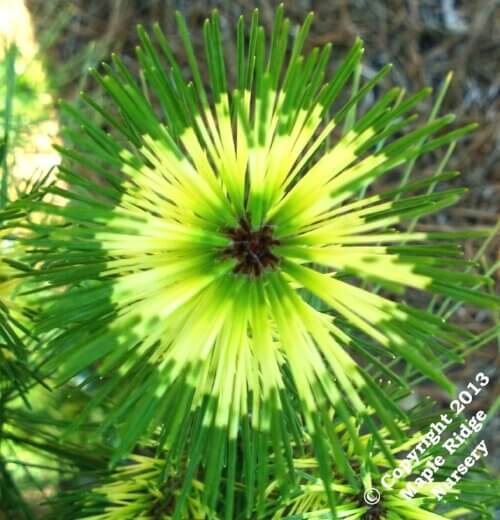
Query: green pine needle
[181,272]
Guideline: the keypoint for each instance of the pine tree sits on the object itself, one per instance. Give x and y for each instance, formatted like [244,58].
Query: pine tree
[225,294]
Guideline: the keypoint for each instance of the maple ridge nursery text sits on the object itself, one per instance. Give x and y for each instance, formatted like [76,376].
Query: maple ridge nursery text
[418,460]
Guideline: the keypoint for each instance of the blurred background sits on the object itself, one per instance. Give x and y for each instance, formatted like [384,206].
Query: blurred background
[57,41]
